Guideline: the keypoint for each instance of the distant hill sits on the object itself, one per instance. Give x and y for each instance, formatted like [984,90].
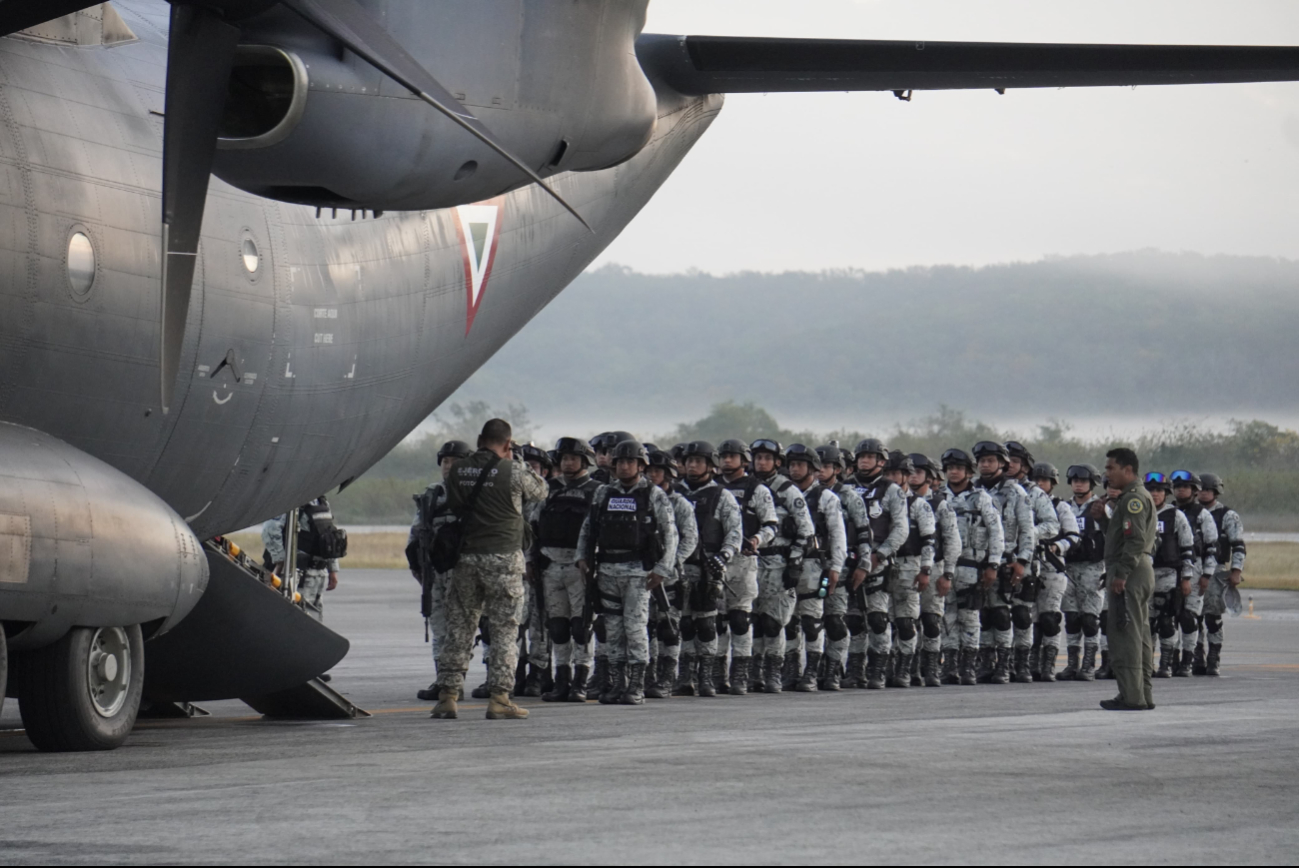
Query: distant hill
[1142,332]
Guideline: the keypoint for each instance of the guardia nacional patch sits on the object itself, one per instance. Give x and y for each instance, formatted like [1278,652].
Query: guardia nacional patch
[1134,506]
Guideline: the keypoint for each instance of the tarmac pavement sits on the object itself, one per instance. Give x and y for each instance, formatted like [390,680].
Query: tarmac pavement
[1010,774]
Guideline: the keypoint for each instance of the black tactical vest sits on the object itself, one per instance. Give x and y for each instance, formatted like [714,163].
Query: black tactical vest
[711,532]
[1225,545]
[914,544]
[1192,513]
[779,485]
[743,489]
[1168,553]
[816,547]
[873,493]
[937,499]
[561,518]
[626,523]
[1091,547]
[319,539]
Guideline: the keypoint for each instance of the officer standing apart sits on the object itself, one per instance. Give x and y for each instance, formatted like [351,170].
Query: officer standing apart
[487,490]
[1129,542]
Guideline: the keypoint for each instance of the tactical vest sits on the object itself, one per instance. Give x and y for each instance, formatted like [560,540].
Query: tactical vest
[816,547]
[566,509]
[431,504]
[1091,546]
[711,532]
[873,493]
[779,485]
[1168,553]
[937,499]
[849,522]
[915,542]
[743,489]
[1225,546]
[1192,513]
[319,539]
[625,522]
[496,525]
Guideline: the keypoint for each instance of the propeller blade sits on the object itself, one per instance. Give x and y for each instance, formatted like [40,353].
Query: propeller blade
[18,15]
[200,56]
[350,24]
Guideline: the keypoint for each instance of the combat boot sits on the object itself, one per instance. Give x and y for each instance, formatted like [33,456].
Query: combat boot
[1165,669]
[651,675]
[1104,672]
[807,683]
[774,675]
[687,678]
[1001,669]
[656,679]
[599,677]
[755,672]
[1183,668]
[446,708]
[917,667]
[707,687]
[1197,664]
[615,685]
[430,693]
[532,683]
[563,682]
[482,691]
[740,668]
[875,662]
[855,664]
[890,663]
[987,660]
[931,674]
[833,681]
[1213,661]
[577,692]
[1087,669]
[789,671]
[501,707]
[635,692]
[902,671]
[720,680]
[969,663]
[1023,674]
[520,676]
[1070,670]
[951,666]
[1047,673]
[1035,662]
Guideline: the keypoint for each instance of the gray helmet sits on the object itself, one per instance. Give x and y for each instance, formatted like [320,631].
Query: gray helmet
[1045,470]
[1084,471]
[830,455]
[871,446]
[799,452]
[957,458]
[573,446]
[899,461]
[701,448]
[631,449]
[454,449]
[659,458]
[991,447]
[1211,482]
[735,447]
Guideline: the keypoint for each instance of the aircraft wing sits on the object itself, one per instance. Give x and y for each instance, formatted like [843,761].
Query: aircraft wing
[697,65]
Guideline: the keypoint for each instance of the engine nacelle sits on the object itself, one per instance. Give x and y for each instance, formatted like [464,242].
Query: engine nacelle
[558,83]
[82,544]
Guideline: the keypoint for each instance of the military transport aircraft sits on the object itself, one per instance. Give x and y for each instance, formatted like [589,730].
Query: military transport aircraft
[403,184]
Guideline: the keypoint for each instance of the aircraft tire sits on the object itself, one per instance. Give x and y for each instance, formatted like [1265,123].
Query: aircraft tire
[83,692]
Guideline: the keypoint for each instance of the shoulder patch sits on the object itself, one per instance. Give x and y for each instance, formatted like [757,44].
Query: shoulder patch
[1134,505]
[798,503]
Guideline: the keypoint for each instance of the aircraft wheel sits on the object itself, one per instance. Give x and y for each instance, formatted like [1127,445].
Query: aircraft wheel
[83,692]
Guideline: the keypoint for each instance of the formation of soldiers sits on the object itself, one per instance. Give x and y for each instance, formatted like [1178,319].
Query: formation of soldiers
[701,570]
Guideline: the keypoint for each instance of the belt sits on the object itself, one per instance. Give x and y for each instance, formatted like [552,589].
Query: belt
[618,557]
[970,562]
[775,551]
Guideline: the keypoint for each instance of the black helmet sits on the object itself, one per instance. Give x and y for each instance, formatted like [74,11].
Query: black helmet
[735,447]
[772,446]
[703,449]
[1015,449]
[573,446]
[454,449]
[899,461]
[799,452]
[1084,471]
[535,453]
[650,447]
[957,458]
[871,446]
[1184,477]
[991,447]
[1156,481]
[830,455]
[1045,470]
[679,451]
[659,458]
[630,448]
[1211,482]
[608,440]
[553,455]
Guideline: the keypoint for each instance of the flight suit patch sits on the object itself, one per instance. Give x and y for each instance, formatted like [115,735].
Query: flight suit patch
[1134,506]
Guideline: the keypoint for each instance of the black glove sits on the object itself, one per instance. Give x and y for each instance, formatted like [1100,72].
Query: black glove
[716,567]
[793,572]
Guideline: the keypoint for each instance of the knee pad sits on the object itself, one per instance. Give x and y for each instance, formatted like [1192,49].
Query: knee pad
[1021,617]
[739,620]
[1050,622]
[484,631]
[1213,623]
[812,627]
[996,619]
[667,632]
[856,623]
[721,624]
[1167,627]
[931,624]
[1090,625]
[905,628]
[706,628]
[560,629]
[600,631]
[791,630]
[878,622]
[835,628]
[688,629]
[1073,622]
[767,626]
[579,631]
[1189,621]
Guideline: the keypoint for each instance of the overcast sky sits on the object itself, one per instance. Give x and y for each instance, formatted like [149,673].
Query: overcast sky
[813,181]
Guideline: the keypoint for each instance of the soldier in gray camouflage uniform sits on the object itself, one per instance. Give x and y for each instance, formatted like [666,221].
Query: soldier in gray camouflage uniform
[534,640]
[906,579]
[1021,544]
[1204,528]
[780,566]
[1047,614]
[1084,594]
[717,515]
[665,626]
[431,513]
[983,546]
[315,575]
[1210,601]
[1046,525]
[947,552]
[488,578]
[1175,567]
[857,531]
[629,539]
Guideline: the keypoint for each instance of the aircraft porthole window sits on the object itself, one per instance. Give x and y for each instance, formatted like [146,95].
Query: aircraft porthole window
[248,252]
[80,263]
[467,170]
